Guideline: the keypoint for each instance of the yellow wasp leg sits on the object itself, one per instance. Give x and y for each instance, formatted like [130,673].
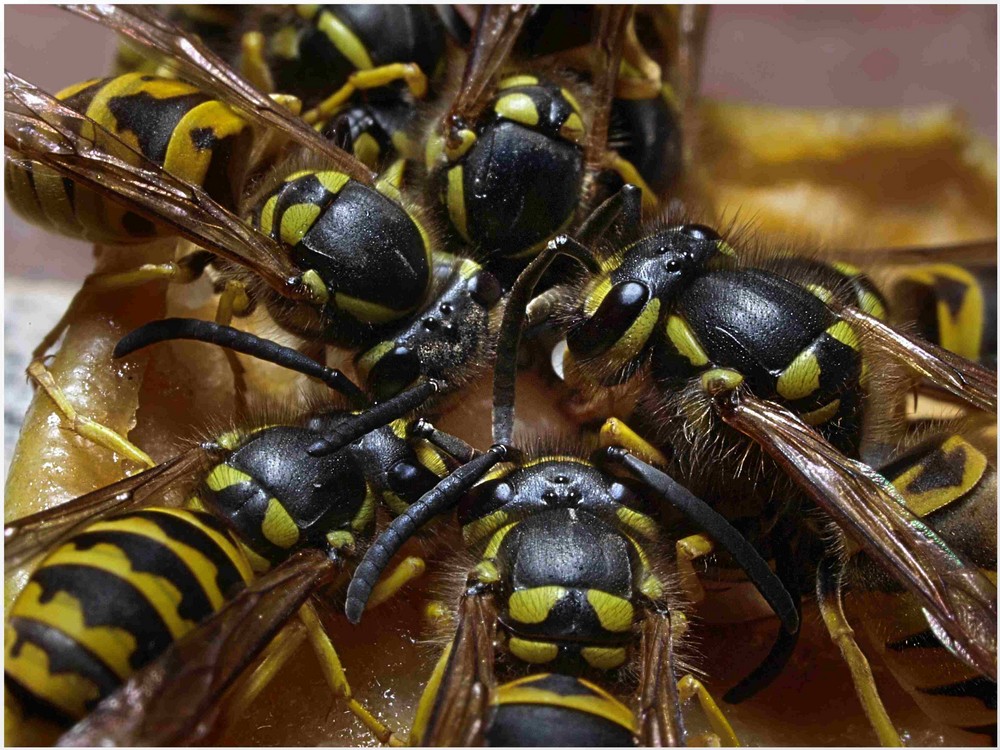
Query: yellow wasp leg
[234,301]
[253,64]
[832,609]
[627,171]
[689,549]
[335,677]
[181,272]
[389,585]
[84,426]
[410,73]
[614,432]
[689,687]
[278,652]
[437,614]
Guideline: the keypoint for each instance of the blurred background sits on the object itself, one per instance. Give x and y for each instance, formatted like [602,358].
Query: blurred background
[866,56]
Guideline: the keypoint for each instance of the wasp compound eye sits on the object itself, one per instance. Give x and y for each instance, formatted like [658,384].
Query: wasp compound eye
[485,289]
[394,371]
[699,232]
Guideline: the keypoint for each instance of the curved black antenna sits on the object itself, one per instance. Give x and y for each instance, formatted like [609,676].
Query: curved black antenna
[192,329]
[509,338]
[374,417]
[716,526]
[439,499]
[781,651]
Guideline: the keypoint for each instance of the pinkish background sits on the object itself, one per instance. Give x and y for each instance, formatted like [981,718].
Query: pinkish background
[796,55]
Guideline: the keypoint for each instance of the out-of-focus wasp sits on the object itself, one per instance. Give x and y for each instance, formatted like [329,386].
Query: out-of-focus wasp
[164,599]
[761,367]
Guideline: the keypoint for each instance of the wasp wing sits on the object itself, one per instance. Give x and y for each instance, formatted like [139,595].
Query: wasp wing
[176,700]
[956,596]
[967,380]
[39,129]
[609,41]
[465,688]
[660,722]
[31,535]
[497,29]
[198,64]
[975,253]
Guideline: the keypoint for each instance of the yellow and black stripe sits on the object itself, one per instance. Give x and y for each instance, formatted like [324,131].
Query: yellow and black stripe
[193,136]
[110,600]
[951,486]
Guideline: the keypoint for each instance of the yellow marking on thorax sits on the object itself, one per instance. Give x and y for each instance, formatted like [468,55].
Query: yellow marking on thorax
[334,182]
[278,527]
[824,294]
[533,652]
[603,657]
[475,531]
[685,341]
[615,613]
[844,333]
[801,377]
[113,646]
[365,311]
[496,540]
[223,476]
[344,40]
[297,220]
[871,304]
[518,80]
[518,107]
[821,415]
[596,296]
[370,358]
[532,606]
[637,522]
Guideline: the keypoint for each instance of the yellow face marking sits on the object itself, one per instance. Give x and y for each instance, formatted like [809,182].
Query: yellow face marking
[278,527]
[365,311]
[953,450]
[603,658]
[821,415]
[456,200]
[519,108]
[685,340]
[601,703]
[844,333]
[430,458]
[572,129]
[801,377]
[634,339]
[368,360]
[616,614]
[519,80]
[69,691]
[223,476]
[475,531]
[596,296]
[532,606]
[496,540]
[297,220]
[344,40]
[637,522]
[367,150]
[533,652]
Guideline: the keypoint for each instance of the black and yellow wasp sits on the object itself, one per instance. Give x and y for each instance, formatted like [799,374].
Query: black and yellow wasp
[571,585]
[176,602]
[351,262]
[768,369]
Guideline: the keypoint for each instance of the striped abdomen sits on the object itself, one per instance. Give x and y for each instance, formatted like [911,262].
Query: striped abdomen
[173,124]
[112,599]
[952,487]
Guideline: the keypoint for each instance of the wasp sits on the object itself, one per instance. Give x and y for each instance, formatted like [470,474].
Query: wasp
[761,359]
[351,263]
[161,596]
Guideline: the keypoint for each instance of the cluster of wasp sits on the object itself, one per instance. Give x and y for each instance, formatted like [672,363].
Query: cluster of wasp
[445,194]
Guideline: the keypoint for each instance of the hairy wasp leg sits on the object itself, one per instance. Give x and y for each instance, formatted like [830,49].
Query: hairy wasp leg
[614,432]
[278,652]
[187,269]
[333,671]
[253,64]
[408,570]
[689,549]
[455,447]
[437,614]
[361,80]
[828,596]
[687,688]
[83,426]
[234,300]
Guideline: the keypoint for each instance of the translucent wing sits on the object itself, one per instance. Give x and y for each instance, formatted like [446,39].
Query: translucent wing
[612,24]
[175,700]
[32,535]
[976,253]
[873,514]
[40,129]
[198,64]
[967,380]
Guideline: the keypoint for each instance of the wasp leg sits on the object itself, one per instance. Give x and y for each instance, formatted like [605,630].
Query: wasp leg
[688,687]
[360,80]
[253,64]
[438,615]
[630,176]
[828,596]
[660,721]
[183,271]
[234,300]
[689,549]
[83,426]
[408,570]
[335,677]
[614,432]
[455,447]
